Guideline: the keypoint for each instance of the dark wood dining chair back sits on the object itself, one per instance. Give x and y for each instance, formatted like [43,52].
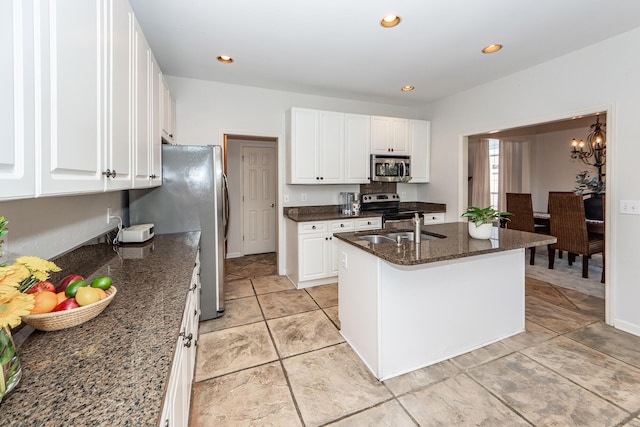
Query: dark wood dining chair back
[520,206]
[521,209]
[569,226]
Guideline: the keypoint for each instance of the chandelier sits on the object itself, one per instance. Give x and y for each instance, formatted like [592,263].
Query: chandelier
[593,152]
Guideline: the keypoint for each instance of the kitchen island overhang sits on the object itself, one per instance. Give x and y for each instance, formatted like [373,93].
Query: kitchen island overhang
[404,307]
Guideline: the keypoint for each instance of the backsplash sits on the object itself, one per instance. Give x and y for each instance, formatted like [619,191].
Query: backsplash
[379,187]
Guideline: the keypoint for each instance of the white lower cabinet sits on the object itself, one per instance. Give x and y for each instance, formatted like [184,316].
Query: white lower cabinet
[312,257]
[177,400]
[434,218]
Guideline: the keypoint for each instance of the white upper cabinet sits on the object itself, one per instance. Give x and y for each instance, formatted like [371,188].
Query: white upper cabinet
[72,102]
[119,146]
[357,130]
[167,111]
[80,99]
[315,149]
[420,140]
[142,109]
[389,135]
[17,147]
[156,140]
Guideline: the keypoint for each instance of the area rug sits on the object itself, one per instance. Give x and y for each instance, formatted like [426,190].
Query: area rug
[567,276]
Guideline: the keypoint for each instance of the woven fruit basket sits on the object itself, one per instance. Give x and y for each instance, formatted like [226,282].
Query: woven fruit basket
[68,318]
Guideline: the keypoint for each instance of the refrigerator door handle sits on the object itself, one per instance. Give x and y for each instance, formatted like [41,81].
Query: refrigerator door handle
[225,191]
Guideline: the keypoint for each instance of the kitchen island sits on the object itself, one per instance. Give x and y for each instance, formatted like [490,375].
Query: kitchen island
[406,306]
[113,369]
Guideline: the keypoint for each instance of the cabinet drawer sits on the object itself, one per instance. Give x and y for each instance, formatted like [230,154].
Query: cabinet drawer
[341,226]
[369,223]
[434,218]
[312,227]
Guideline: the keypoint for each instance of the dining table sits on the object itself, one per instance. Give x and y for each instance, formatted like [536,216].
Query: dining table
[594,226]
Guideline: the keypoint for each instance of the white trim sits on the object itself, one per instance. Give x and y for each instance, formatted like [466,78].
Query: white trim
[610,201]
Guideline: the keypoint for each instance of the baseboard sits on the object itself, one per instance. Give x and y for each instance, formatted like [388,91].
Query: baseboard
[627,327]
[233,255]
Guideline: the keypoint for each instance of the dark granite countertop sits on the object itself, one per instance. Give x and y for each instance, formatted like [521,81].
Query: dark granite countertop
[113,369]
[331,212]
[454,244]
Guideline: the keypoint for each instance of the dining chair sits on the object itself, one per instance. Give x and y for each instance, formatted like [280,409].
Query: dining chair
[569,227]
[521,208]
[557,192]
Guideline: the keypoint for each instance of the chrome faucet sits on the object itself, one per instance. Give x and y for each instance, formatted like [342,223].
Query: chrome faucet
[417,232]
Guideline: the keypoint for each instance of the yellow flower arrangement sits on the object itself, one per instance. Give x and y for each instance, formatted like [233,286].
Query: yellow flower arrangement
[16,279]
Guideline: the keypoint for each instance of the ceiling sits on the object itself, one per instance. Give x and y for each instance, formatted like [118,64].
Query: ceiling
[338,48]
[582,122]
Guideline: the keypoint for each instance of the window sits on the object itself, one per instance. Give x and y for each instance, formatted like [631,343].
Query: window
[494,167]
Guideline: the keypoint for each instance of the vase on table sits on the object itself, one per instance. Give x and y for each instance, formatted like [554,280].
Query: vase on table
[482,231]
[10,369]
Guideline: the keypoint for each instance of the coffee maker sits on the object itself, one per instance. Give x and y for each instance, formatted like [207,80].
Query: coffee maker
[349,203]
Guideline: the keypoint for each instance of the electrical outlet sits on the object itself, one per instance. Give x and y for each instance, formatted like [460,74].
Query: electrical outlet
[343,260]
[303,197]
[286,198]
[630,207]
[108,215]
[404,196]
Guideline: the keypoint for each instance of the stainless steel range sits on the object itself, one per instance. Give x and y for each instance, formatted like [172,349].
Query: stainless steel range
[388,204]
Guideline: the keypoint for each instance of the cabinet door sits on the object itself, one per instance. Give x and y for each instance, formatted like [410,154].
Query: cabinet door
[357,148]
[331,147]
[312,256]
[380,135]
[400,136]
[119,145]
[302,146]
[72,99]
[142,110]
[389,135]
[166,113]
[156,127]
[17,147]
[419,136]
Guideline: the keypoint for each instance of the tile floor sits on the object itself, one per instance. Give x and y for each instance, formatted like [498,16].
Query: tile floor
[276,358]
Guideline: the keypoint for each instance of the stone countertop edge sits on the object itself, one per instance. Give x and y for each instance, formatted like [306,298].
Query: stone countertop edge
[332,212]
[113,369]
[456,244]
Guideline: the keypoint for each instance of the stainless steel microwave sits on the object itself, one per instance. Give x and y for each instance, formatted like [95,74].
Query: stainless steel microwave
[389,168]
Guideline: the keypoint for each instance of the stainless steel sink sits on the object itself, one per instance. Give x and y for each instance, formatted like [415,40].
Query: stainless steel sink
[410,235]
[376,238]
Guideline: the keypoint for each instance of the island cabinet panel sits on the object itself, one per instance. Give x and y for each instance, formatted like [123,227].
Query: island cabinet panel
[389,135]
[402,318]
[17,147]
[420,145]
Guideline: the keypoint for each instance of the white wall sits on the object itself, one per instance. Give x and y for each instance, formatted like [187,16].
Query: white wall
[205,111]
[554,169]
[606,80]
[49,226]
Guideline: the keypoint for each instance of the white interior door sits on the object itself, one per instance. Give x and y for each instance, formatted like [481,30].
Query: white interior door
[259,199]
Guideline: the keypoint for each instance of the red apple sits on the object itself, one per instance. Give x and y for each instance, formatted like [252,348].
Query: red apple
[42,287]
[67,304]
[62,286]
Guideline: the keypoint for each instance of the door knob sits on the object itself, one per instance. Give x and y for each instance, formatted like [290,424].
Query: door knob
[272,204]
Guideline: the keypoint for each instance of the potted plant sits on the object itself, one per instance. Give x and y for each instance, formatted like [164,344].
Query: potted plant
[481,220]
[593,187]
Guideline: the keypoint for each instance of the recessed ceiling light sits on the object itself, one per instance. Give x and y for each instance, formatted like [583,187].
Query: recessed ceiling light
[225,59]
[407,88]
[492,48]
[390,21]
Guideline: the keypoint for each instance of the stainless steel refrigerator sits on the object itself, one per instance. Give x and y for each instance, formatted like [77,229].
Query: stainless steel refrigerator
[193,197]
